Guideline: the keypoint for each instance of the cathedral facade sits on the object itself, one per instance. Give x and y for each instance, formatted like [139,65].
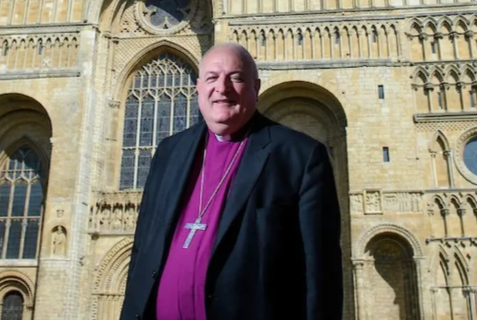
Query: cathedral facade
[88,88]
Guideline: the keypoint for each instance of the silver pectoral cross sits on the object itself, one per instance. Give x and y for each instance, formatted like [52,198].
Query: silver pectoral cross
[193,229]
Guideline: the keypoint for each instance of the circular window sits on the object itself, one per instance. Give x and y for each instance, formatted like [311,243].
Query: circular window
[165,16]
[470,155]
[466,155]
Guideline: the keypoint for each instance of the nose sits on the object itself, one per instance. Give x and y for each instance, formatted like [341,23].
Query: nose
[222,85]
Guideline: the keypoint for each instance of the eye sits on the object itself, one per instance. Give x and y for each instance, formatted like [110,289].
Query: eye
[211,79]
[236,79]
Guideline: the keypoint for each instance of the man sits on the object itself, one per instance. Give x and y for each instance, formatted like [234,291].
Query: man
[239,219]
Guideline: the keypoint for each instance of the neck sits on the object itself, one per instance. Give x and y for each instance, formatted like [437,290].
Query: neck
[236,135]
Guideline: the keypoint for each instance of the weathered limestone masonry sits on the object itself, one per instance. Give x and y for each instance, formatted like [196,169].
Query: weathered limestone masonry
[89,87]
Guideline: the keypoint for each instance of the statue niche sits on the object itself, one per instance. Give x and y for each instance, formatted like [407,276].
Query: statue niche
[58,242]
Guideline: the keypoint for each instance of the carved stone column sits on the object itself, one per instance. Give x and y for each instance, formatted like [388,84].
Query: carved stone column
[428,89]
[433,301]
[437,38]
[448,156]
[433,167]
[444,215]
[469,294]
[418,262]
[452,37]
[359,289]
[422,40]
[461,214]
[469,35]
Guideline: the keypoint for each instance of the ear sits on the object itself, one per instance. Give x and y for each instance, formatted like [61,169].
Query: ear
[257,86]
[198,84]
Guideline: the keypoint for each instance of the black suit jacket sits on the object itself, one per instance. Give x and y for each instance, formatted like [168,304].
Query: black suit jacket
[277,251]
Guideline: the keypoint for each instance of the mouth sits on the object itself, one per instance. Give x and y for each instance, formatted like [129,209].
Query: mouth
[223,101]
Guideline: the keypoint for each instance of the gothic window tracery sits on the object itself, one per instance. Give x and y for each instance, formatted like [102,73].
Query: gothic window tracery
[161,101]
[167,13]
[21,199]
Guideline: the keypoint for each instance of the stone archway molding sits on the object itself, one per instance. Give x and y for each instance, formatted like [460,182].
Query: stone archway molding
[111,263]
[23,285]
[143,57]
[28,96]
[365,238]
[301,85]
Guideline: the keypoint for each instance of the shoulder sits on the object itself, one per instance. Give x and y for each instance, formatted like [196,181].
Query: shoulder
[171,142]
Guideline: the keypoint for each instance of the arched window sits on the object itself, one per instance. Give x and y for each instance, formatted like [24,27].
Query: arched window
[12,306]
[21,198]
[162,100]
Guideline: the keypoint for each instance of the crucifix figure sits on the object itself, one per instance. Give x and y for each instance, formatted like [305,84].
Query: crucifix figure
[193,228]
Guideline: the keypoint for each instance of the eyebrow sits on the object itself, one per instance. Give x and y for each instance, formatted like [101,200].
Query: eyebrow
[237,72]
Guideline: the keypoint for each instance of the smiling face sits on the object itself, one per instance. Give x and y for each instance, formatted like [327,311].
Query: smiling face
[227,88]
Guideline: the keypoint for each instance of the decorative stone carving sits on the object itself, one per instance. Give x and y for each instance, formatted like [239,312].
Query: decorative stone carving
[115,213]
[356,203]
[34,53]
[58,241]
[60,213]
[402,202]
[114,104]
[373,202]
[285,35]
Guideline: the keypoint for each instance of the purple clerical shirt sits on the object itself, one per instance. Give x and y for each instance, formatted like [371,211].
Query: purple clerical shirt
[181,293]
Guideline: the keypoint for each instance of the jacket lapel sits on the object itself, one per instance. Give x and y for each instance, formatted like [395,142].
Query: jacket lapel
[175,181]
[251,165]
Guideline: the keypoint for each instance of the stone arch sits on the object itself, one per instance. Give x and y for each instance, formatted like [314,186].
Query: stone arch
[439,201]
[452,74]
[110,281]
[95,8]
[141,87]
[461,22]
[111,266]
[436,75]
[455,201]
[415,26]
[471,201]
[444,266]
[23,120]
[468,75]
[143,57]
[454,221]
[431,28]
[438,135]
[462,266]
[420,75]
[308,86]
[391,267]
[25,141]
[110,13]
[365,238]
[17,281]
[16,101]
[440,159]
[445,24]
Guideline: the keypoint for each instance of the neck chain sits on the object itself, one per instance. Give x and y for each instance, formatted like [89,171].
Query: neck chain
[197,225]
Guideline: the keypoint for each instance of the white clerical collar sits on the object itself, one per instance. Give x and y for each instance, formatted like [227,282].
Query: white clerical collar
[220,138]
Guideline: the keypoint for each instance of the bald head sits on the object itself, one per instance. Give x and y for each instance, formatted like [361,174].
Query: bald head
[236,49]
[228,87]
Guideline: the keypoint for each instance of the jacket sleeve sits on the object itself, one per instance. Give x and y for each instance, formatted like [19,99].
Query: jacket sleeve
[320,222]
[141,226]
